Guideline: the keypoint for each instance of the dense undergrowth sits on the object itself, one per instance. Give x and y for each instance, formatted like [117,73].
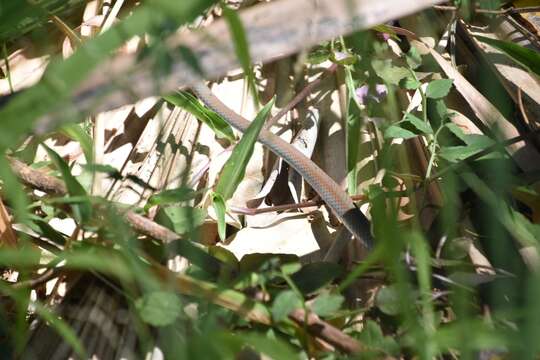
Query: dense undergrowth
[136,223]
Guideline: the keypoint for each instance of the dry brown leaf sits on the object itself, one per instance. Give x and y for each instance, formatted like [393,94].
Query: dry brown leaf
[287,233]
[7,235]
[25,71]
[512,76]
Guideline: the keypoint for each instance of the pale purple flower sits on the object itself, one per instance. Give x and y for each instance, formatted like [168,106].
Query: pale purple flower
[363,93]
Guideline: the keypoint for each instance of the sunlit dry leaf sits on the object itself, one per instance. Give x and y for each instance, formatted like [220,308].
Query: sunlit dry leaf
[287,234]
[513,76]
[24,70]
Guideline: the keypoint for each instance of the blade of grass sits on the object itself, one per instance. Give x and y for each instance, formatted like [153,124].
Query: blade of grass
[522,55]
[77,133]
[188,102]
[241,47]
[83,209]
[63,77]
[235,168]
[420,249]
[353,118]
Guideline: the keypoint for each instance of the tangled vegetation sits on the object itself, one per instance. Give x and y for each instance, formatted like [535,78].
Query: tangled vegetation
[140,216]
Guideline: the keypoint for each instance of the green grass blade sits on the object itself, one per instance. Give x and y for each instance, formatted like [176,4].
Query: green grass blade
[77,133]
[83,209]
[353,117]
[241,46]
[235,168]
[522,55]
[421,252]
[62,77]
[190,103]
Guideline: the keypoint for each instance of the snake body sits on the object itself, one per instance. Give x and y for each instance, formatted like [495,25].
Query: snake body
[329,191]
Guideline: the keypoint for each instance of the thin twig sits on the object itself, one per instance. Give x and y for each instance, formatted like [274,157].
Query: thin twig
[41,279]
[285,207]
[325,331]
[51,185]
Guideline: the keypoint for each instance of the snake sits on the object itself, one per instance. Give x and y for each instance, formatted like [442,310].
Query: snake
[329,191]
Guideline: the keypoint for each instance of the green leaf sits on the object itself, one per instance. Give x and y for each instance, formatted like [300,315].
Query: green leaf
[528,58]
[372,336]
[159,308]
[390,73]
[475,144]
[438,89]
[414,58]
[190,103]
[316,275]
[47,231]
[352,133]
[394,131]
[221,209]
[285,302]
[422,256]
[275,348]
[419,124]
[291,268]
[180,219]
[457,131]
[172,196]
[241,46]
[410,83]
[388,300]
[111,171]
[327,304]
[31,16]
[83,209]
[77,133]
[23,257]
[385,29]
[234,169]
[318,55]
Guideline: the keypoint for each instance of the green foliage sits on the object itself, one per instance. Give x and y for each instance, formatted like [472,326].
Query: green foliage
[180,219]
[189,103]
[159,308]
[416,295]
[285,302]
[62,77]
[528,58]
[26,16]
[373,337]
[390,73]
[235,168]
[241,46]
[438,89]
[83,209]
[327,304]
[77,133]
